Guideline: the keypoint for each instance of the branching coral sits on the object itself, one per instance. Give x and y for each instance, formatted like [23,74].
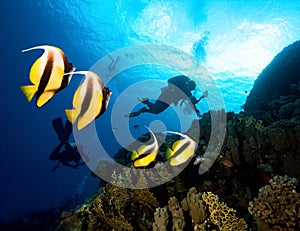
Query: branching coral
[221,215]
[180,221]
[177,213]
[161,219]
[195,206]
[277,203]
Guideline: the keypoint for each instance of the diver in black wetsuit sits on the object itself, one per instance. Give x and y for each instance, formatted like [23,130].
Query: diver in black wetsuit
[70,152]
[179,88]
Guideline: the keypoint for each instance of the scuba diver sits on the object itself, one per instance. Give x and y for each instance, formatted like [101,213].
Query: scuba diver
[70,152]
[179,89]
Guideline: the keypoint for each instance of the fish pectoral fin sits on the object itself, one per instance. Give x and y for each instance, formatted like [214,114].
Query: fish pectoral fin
[72,115]
[29,91]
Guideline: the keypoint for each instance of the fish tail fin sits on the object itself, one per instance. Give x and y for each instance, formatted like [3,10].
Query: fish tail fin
[29,91]
[71,115]
[169,153]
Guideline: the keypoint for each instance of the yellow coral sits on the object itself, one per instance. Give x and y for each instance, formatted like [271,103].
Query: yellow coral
[221,215]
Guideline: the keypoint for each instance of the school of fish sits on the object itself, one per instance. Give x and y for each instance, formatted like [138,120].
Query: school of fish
[52,72]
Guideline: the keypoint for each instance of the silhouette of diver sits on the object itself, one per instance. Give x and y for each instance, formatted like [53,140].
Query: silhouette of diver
[179,88]
[70,152]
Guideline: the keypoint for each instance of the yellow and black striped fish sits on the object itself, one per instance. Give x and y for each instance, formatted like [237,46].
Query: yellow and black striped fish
[182,150]
[145,154]
[47,74]
[90,100]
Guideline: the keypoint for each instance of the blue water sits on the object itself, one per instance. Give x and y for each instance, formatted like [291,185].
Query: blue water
[235,40]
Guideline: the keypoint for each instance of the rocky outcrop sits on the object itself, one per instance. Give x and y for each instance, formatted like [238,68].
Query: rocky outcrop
[275,82]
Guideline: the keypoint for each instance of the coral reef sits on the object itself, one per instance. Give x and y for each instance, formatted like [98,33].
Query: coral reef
[161,219]
[178,219]
[277,204]
[195,205]
[261,141]
[114,208]
[177,214]
[251,152]
[221,215]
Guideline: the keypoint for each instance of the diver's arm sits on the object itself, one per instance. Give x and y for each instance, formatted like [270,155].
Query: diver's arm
[198,112]
[198,100]
[205,94]
[65,163]
[55,167]
[193,101]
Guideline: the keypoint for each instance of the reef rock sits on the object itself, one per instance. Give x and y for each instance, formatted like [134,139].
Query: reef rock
[274,83]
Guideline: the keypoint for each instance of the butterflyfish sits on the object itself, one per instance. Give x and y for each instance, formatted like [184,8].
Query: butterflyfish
[47,74]
[182,150]
[145,154]
[90,100]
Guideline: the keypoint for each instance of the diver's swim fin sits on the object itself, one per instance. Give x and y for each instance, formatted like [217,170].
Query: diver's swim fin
[63,132]
[134,114]
[67,131]
[58,127]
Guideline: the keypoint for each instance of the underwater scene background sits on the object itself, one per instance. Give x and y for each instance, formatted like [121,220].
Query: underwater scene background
[251,51]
